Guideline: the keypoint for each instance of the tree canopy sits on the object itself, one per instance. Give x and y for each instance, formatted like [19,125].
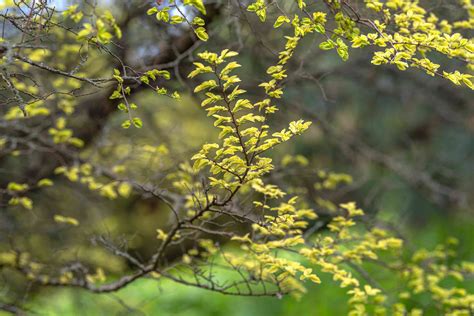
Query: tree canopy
[110,173]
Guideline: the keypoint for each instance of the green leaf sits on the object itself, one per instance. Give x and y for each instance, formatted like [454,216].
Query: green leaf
[327,45]
[210,84]
[201,34]
[152,11]
[45,182]
[115,95]
[126,124]
[176,19]
[122,107]
[280,20]
[137,122]
[198,4]
[145,79]
[198,21]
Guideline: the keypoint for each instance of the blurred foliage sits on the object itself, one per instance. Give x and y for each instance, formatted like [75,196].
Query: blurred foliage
[149,297]
[406,139]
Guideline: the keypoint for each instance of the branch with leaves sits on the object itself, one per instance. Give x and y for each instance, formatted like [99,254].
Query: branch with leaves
[230,228]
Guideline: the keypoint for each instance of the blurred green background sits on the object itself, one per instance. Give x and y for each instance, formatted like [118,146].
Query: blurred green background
[405,138]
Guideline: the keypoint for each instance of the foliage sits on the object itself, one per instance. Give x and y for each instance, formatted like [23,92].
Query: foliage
[236,231]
